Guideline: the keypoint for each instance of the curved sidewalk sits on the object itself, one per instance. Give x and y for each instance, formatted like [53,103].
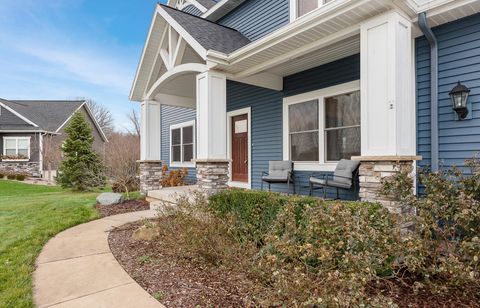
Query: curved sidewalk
[77,269]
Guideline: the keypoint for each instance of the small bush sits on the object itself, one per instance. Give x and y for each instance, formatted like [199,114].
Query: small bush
[20,177]
[2,175]
[444,250]
[121,187]
[174,177]
[11,176]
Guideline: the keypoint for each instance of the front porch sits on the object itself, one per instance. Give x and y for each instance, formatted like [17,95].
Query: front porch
[349,94]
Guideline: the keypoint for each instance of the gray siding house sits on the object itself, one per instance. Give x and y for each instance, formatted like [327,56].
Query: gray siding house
[31,133]
[311,81]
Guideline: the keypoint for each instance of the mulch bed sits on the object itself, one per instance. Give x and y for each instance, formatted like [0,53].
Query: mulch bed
[179,281]
[174,280]
[121,208]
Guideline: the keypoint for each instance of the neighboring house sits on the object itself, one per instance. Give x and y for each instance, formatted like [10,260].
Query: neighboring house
[31,134]
[227,86]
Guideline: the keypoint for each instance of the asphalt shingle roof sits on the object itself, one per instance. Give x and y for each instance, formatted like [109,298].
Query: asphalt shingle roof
[210,35]
[48,115]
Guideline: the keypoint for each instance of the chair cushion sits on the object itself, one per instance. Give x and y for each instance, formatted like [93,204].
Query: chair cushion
[279,169]
[344,171]
[274,179]
[318,181]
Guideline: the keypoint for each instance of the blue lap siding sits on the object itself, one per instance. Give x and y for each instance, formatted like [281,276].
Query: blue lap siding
[257,18]
[459,60]
[267,114]
[171,116]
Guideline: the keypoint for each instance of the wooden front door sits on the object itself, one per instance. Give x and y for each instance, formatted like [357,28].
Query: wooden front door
[240,148]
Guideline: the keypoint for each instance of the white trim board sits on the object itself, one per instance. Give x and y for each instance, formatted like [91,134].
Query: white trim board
[230,115]
[321,165]
[182,164]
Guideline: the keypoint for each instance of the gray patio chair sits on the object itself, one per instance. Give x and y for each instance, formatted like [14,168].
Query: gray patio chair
[279,172]
[343,177]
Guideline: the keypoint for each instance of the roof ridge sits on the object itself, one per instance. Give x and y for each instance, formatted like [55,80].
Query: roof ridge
[199,17]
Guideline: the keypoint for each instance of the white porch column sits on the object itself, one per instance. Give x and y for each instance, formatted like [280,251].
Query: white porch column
[388,104]
[150,144]
[212,162]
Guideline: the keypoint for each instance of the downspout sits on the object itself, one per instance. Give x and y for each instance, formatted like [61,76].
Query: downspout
[432,40]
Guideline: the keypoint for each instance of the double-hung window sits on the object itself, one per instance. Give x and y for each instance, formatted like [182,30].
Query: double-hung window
[302,7]
[182,144]
[322,127]
[16,148]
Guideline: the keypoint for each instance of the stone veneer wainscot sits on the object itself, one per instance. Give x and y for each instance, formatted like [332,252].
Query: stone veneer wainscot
[150,175]
[25,167]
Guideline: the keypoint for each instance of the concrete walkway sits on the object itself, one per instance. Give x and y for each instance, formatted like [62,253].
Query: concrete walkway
[77,269]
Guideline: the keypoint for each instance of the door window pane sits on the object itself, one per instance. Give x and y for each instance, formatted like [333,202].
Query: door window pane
[342,110]
[305,6]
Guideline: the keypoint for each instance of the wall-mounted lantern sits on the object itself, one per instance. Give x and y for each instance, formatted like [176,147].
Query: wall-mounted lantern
[459,96]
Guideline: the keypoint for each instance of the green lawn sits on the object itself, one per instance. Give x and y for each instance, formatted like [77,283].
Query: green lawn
[29,216]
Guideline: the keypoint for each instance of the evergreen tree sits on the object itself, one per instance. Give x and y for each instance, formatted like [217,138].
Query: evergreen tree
[81,168]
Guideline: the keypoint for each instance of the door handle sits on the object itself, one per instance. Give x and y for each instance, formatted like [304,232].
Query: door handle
[246,161]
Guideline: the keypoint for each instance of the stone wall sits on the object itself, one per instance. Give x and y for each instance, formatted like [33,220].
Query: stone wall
[29,168]
[212,175]
[373,172]
[150,175]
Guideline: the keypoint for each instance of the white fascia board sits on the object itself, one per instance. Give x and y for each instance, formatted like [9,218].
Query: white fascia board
[140,63]
[18,114]
[198,5]
[202,52]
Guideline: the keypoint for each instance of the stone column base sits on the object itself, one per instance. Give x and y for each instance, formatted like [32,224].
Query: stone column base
[212,175]
[375,169]
[150,175]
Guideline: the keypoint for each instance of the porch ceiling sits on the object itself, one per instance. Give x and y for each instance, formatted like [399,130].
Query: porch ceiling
[316,35]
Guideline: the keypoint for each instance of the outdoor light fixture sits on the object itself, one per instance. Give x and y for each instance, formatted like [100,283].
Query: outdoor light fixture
[459,96]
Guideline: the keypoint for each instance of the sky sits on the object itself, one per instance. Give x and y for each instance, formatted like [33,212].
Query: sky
[69,49]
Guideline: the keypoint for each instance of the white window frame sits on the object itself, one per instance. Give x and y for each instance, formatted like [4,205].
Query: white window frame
[28,138]
[320,95]
[294,8]
[182,163]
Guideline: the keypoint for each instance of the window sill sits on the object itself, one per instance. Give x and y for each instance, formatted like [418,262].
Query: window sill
[15,160]
[182,165]
[326,167]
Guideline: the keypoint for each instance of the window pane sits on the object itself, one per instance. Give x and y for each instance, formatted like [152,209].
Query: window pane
[187,153]
[188,134]
[305,6]
[23,143]
[304,146]
[10,144]
[10,152]
[343,143]
[342,110]
[303,116]
[176,153]
[176,139]
[23,152]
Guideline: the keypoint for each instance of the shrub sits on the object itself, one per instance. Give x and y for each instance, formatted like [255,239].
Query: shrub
[11,176]
[444,250]
[126,187]
[174,177]
[20,177]
[253,211]
[2,175]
